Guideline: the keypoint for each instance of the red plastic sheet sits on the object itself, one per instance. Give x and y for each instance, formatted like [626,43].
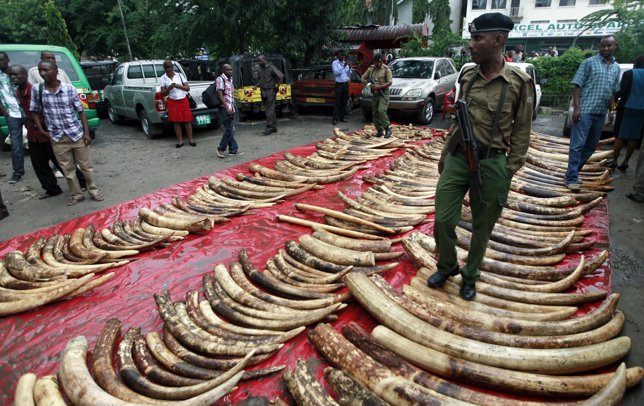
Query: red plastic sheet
[33,341]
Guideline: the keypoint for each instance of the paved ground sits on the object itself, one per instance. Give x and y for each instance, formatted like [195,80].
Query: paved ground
[128,165]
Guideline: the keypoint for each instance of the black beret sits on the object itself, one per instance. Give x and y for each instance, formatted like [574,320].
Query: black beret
[491,22]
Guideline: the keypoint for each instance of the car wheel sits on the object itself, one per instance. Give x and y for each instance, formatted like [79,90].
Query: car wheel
[112,115]
[366,113]
[566,129]
[150,130]
[426,114]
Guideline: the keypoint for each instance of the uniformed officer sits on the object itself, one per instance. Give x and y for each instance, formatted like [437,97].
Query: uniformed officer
[378,76]
[499,101]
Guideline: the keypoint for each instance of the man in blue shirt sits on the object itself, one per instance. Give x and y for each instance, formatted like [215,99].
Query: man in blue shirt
[595,85]
[342,73]
[14,116]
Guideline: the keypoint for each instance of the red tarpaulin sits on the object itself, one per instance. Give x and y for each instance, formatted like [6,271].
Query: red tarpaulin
[33,341]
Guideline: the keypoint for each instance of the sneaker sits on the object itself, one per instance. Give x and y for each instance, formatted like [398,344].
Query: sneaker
[58,174]
[221,154]
[334,121]
[236,154]
[379,133]
[388,132]
[15,179]
[344,120]
[573,187]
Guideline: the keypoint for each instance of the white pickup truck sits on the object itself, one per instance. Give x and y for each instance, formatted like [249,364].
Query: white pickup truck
[135,93]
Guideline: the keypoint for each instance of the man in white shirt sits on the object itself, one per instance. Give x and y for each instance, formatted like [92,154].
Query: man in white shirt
[34,76]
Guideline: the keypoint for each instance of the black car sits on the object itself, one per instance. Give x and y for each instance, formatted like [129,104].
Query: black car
[99,74]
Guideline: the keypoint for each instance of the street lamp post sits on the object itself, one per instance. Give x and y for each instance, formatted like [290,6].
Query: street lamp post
[127,41]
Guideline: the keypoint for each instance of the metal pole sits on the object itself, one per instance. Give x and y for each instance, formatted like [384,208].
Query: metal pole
[127,41]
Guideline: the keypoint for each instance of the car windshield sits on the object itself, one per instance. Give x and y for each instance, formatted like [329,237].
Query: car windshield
[29,59]
[325,74]
[412,69]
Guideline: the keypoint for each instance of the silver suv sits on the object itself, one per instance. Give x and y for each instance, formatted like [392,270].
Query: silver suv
[419,85]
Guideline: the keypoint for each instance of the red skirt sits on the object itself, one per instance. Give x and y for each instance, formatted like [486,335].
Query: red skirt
[179,110]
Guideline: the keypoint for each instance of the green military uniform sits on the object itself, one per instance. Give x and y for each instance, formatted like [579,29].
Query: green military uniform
[508,146]
[380,100]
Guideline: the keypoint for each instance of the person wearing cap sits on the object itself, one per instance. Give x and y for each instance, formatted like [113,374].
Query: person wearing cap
[379,78]
[500,103]
[342,73]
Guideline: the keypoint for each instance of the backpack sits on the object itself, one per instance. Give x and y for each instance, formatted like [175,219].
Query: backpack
[209,97]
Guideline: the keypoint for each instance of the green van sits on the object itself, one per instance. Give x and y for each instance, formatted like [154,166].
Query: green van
[29,56]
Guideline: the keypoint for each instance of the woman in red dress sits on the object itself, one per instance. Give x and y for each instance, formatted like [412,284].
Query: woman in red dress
[175,86]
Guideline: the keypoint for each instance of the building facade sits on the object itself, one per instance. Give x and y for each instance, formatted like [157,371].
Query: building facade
[539,25]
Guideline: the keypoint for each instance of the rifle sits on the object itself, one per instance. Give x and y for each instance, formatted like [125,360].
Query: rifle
[471,147]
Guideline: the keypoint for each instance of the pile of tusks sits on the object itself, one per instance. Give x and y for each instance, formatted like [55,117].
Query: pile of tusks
[518,337]
[206,345]
[64,266]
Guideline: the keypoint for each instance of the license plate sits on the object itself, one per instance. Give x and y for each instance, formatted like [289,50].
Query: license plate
[203,119]
[314,100]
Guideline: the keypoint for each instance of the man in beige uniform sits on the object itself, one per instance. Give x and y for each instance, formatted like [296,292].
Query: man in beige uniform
[500,101]
[379,78]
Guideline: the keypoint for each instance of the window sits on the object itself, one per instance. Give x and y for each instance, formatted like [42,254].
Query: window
[134,72]
[479,4]
[117,79]
[542,3]
[596,2]
[566,3]
[449,69]
[412,69]
[498,3]
[148,70]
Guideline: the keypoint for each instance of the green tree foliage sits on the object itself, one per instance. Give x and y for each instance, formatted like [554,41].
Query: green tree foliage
[57,28]
[352,12]
[439,11]
[384,12]
[559,71]
[419,11]
[630,13]
[22,21]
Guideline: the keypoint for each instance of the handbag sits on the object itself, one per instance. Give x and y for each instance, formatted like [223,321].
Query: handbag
[191,101]
[209,97]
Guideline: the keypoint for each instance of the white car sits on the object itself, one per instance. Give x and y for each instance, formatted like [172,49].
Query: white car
[419,85]
[526,67]
[610,117]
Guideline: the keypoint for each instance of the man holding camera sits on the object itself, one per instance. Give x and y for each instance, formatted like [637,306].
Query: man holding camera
[342,73]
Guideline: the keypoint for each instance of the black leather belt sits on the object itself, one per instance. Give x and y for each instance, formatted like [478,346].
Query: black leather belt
[483,151]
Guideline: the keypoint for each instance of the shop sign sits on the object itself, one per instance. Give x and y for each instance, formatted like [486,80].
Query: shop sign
[564,29]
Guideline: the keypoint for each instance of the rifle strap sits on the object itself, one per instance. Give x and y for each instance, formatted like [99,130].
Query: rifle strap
[495,124]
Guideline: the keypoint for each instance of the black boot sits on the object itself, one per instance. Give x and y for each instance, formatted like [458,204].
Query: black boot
[468,291]
[438,279]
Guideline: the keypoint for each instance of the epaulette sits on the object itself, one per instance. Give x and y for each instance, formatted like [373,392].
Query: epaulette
[520,73]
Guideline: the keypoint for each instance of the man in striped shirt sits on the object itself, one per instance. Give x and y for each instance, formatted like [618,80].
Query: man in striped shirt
[227,110]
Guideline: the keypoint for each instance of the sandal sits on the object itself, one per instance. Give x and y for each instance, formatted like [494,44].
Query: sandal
[97,198]
[74,201]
